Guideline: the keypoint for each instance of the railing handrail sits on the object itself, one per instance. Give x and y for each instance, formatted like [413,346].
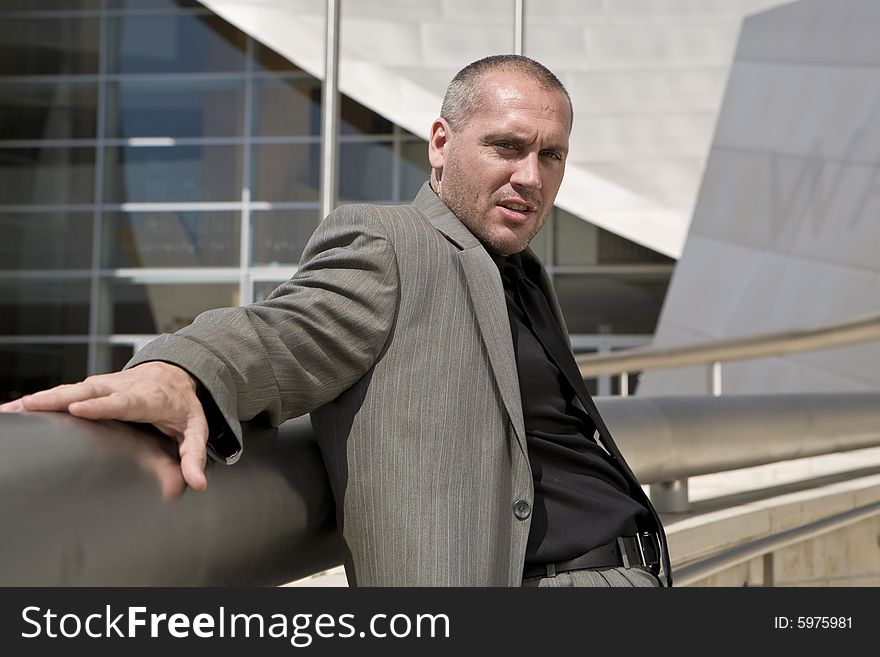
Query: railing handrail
[669,438]
[726,559]
[863,328]
[79,506]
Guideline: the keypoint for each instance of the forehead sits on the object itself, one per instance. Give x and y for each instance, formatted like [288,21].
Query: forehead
[512,97]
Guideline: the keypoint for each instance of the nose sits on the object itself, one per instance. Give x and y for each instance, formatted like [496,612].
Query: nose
[527,172]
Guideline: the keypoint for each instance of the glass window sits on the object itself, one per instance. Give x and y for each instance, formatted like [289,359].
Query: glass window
[616,250]
[355,119]
[48,5]
[149,308]
[171,239]
[58,240]
[575,240]
[47,175]
[278,236]
[48,46]
[579,242]
[287,107]
[48,110]
[175,108]
[604,303]
[27,368]
[286,172]
[173,174]
[262,289]
[540,241]
[266,59]
[365,172]
[151,4]
[414,168]
[44,306]
[113,357]
[174,43]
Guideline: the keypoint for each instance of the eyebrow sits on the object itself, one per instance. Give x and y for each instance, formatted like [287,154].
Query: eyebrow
[516,139]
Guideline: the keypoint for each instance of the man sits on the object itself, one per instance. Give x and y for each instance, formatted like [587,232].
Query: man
[428,346]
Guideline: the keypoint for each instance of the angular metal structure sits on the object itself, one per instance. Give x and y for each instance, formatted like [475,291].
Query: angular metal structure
[786,234]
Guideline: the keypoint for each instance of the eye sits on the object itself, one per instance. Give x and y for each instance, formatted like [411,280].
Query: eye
[553,155]
[505,145]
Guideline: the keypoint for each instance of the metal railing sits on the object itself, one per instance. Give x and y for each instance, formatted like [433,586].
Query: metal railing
[668,439]
[81,505]
[80,502]
[672,495]
[864,328]
[766,546]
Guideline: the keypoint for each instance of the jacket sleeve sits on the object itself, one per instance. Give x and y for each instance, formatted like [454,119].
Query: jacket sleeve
[314,337]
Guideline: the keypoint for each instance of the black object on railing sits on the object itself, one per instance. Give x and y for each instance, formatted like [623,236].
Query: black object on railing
[81,505]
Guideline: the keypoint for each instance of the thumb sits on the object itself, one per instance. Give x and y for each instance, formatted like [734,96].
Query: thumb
[194,455]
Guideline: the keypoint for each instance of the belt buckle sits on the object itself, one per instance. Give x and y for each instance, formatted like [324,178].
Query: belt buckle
[621,547]
[644,559]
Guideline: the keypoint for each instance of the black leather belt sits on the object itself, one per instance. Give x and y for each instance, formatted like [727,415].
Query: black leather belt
[641,550]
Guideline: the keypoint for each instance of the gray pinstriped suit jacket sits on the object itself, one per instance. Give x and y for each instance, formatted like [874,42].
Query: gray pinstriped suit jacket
[394,335]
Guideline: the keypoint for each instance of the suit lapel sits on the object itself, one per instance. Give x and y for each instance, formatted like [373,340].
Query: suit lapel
[487,296]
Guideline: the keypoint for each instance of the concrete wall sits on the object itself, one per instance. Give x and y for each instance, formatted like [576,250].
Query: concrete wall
[646,78]
[786,231]
[847,557]
[734,509]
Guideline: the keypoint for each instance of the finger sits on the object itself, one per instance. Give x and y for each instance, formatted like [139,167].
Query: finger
[116,406]
[194,454]
[14,406]
[60,397]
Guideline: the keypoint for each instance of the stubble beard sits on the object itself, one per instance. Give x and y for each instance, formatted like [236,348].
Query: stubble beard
[454,194]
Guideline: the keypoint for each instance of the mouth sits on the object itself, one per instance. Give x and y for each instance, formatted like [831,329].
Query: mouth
[516,209]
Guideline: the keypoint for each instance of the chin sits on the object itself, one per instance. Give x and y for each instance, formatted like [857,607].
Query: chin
[506,248]
[514,244]
[503,242]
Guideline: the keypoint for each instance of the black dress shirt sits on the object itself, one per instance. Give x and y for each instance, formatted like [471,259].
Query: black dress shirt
[582,499]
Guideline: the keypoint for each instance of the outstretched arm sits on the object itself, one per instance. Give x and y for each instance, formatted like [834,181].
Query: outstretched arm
[161,394]
[312,339]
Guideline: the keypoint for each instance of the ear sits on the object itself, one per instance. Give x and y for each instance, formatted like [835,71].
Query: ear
[437,145]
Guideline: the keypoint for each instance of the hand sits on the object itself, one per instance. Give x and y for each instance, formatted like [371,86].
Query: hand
[161,394]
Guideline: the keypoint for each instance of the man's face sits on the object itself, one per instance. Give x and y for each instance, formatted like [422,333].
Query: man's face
[499,172]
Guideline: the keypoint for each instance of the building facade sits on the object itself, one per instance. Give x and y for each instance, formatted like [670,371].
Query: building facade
[156,162]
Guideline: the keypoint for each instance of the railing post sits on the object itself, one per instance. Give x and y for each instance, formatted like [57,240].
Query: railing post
[330,104]
[715,378]
[670,496]
[519,27]
[769,575]
[603,382]
[624,384]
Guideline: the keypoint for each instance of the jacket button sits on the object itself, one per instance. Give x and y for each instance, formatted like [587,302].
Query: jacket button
[521,509]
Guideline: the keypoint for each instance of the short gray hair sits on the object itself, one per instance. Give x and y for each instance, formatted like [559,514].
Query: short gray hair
[464,96]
